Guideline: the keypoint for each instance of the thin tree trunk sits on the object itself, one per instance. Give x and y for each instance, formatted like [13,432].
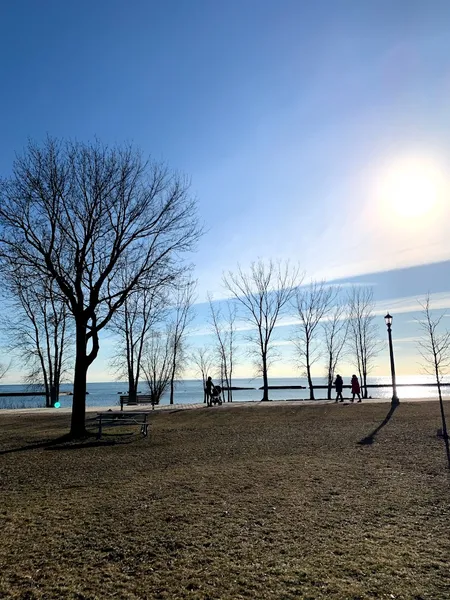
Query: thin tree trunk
[444,423]
[172,377]
[172,389]
[308,373]
[310,383]
[330,375]
[265,379]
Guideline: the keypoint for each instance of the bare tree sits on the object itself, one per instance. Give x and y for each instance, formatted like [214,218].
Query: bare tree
[264,294]
[224,330]
[364,344]
[335,329]
[39,331]
[434,348]
[133,322]
[157,364]
[182,317]
[77,214]
[312,304]
[203,359]
[4,369]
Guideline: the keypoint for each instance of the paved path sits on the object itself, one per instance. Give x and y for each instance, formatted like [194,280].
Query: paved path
[186,406]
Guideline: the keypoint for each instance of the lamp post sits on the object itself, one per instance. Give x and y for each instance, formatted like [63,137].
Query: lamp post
[395,400]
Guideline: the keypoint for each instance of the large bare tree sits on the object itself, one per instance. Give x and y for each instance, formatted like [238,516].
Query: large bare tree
[434,348]
[157,363]
[182,317]
[133,323]
[363,332]
[311,304]
[4,368]
[203,359]
[223,326]
[264,293]
[335,330]
[77,214]
[39,331]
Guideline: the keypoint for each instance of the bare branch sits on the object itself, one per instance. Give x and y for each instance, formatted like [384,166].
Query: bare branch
[78,214]
[264,294]
[364,343]
[335,329]
[311,304]
[434,347]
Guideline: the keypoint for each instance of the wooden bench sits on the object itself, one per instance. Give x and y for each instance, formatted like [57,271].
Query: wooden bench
[114,419]
[141,399]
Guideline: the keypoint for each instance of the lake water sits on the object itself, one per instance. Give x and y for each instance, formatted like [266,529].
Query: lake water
[190,391]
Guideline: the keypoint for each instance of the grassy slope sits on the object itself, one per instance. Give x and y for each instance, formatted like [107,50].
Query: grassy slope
[258,502]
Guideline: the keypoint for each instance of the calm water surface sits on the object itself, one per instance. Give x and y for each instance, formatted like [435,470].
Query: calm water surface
[190,391]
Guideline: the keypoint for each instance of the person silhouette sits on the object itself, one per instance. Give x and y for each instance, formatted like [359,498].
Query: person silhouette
[339,383]
[209,390]
[355,388]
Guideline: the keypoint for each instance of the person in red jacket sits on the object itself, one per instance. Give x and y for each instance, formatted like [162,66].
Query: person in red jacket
[355,388]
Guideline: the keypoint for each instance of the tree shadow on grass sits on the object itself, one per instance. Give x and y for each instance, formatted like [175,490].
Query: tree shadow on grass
[66,442]
[369,439]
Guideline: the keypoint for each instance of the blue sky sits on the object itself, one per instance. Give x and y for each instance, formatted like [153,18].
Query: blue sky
[298,122]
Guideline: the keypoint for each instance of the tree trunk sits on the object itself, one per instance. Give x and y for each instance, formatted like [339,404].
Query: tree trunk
[132,389]
[54,393]
[172,388]
[265,397]
[330,387]
[48,397]
[310,383]
[77,426]
[172,375]
[308,373]
[444,423]
[330,376]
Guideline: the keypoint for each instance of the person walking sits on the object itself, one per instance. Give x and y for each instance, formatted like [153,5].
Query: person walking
[209,391]
[356,389]
[339,383]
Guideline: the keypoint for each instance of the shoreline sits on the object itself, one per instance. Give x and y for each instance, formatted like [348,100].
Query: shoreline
[199,405]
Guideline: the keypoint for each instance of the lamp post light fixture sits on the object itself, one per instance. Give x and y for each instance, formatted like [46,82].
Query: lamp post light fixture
[395,400]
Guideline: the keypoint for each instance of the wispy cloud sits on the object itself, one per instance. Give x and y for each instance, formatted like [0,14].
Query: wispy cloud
[282,343]
[402,305]
[407,340]
[407,304]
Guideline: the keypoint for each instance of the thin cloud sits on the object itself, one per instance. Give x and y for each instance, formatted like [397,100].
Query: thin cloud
[408,304]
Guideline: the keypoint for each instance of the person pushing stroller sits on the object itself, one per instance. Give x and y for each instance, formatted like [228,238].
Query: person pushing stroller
[213,393]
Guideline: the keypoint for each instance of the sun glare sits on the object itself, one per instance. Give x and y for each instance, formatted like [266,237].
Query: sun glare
[412,188]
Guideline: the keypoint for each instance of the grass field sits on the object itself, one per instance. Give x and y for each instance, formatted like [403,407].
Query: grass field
[264,502]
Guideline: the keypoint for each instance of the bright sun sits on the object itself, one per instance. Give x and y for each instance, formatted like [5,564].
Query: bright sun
[412,187]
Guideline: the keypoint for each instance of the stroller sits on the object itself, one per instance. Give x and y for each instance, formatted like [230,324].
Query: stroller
[216,396]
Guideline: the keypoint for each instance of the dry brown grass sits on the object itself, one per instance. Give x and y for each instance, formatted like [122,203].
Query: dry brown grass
[264,502]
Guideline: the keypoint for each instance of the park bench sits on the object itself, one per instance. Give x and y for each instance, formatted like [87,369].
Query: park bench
[115,419]
[141,399]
